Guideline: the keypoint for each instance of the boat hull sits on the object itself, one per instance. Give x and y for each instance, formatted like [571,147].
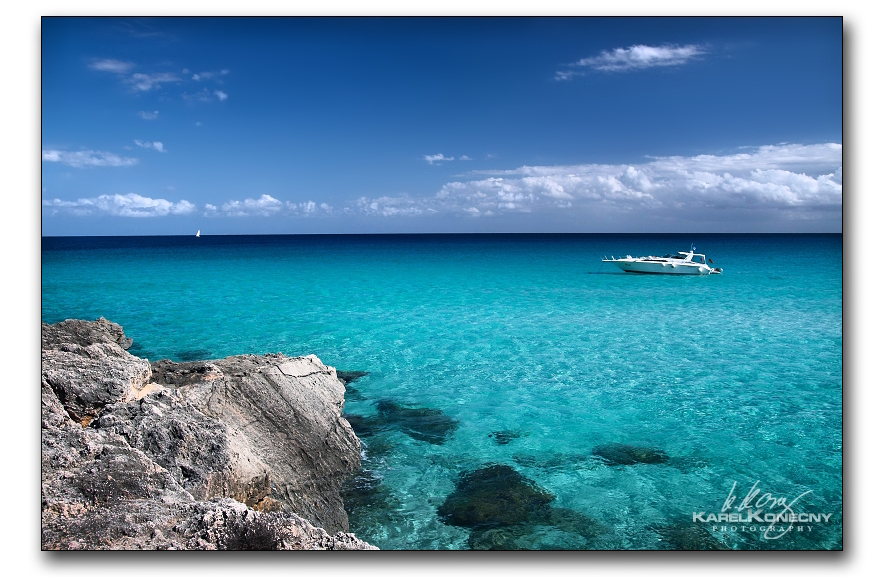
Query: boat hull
[663,268]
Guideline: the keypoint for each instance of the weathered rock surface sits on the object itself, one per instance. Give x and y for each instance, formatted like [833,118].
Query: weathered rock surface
[246,452]
[87,368]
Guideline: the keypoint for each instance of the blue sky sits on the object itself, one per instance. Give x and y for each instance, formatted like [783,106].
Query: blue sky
[363,125]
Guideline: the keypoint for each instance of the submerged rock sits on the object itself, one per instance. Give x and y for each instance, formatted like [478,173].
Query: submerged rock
[620,454]
[551,528]
[423,424]
[364,490]
[504,437]
[363,426]
[370,504]
[348,376]
[132,460]
[492,496]
[508,511]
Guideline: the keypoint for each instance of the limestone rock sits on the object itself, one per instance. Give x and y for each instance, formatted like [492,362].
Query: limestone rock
[87,368]
[284,435]
[135,462]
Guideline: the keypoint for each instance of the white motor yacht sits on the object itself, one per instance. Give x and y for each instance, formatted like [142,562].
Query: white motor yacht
[682,263]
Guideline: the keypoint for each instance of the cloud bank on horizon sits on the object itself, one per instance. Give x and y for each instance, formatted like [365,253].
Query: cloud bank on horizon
[128,205]
[792,178]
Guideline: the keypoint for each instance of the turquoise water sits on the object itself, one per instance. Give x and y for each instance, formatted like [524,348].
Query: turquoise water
[737,377]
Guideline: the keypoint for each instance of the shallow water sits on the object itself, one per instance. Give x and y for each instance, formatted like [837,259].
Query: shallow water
[539,352]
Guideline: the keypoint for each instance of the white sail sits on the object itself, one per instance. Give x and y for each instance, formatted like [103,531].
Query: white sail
[198,233]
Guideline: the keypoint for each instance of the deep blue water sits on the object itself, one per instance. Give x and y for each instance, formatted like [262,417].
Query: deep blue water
[736,378]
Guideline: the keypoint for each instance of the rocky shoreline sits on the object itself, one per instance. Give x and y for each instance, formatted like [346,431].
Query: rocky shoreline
[246,452]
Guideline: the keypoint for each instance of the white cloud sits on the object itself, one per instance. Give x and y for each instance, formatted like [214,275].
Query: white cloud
[309,208]
[158,146]
[206,75]
[137,81]
[87,158]
[111,65]
[782,156]
[265,205]
[464,157]
[636,57]
[791,178]
[437,158]
[129,205]
[392,206]
[782,176]
[144,82]
[205,95]
[149,115]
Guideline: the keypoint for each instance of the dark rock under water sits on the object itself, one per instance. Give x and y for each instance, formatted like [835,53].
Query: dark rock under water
[491,496]
[504,437]
[506,510]
[620,454]
[347,377]
[365,490]
[363,426]
[423,424]
[552,528]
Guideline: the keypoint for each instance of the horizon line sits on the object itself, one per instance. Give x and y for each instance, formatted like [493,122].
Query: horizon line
[410,234]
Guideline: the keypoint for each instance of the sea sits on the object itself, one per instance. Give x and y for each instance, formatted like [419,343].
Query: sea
[520,393]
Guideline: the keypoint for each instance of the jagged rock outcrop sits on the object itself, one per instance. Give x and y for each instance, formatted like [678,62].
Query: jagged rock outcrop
[243,452]
[87,368]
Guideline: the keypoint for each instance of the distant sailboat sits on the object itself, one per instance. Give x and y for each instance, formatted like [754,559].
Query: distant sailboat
[198,233]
